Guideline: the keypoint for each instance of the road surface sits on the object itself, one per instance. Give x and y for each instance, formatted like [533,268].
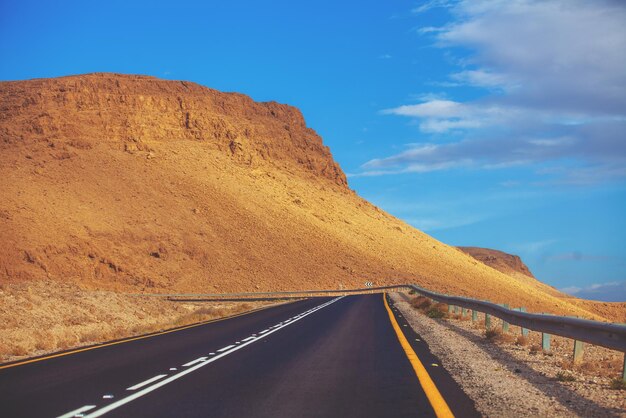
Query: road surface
[320,357]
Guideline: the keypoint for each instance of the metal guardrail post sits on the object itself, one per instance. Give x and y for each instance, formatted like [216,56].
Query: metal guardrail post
[624,369]
[545,342]
[450,309]
[474,315]
[463,312]
[579,348]
[505,325]
[487,321]
[524,330]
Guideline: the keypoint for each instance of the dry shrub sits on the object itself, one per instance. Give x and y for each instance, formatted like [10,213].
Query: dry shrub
[460,317]
[466,317]
[492,333]
[437,311]
[535,348]
[565,377]
[441,307]
[522,340]
[603,367]
[618,384]
[588,367]
[496,335]
[421,303]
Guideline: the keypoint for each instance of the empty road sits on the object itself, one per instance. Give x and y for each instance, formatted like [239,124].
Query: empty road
[320,357]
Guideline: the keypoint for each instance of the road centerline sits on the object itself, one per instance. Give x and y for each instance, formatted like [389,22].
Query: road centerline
[438,403]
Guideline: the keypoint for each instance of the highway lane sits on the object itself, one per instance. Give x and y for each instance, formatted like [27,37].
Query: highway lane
[313,358]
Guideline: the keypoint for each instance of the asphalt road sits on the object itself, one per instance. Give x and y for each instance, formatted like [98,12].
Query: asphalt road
[321,357]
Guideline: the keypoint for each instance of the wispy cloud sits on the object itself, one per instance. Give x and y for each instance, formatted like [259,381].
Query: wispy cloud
[599,159]
[533,247]
[443,222]
[609,292]
[556,92]
[432,4]
[578,256]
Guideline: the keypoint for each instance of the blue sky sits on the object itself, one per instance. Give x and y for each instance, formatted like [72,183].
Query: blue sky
[497,124]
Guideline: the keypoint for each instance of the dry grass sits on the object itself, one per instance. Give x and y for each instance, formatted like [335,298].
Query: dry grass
[522,340]
[208,313]
[47,317]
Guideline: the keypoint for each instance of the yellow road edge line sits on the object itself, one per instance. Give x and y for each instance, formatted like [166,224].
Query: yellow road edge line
[141,337]
[441,408]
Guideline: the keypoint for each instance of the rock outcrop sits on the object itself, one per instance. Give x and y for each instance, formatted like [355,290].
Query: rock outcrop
[501,261]
[132,111]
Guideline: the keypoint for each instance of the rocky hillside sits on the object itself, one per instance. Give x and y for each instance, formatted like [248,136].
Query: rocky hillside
[131,183]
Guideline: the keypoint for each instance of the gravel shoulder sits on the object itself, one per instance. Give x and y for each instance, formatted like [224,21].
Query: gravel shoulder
[506,379]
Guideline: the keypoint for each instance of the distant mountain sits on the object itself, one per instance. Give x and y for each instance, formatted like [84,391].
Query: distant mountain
[513,266]
[501,261]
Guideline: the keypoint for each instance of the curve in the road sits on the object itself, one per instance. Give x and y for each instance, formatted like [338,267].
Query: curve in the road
[310,358]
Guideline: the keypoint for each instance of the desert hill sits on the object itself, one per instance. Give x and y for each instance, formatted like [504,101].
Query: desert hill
[131,183]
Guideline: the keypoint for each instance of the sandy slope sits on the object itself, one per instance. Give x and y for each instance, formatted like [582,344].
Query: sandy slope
[162,213]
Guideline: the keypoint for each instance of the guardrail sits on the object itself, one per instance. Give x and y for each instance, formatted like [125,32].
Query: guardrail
[609,335]
[271,295]
[605,334]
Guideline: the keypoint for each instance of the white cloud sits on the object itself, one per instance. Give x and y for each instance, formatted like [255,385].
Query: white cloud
[557,50]
[483,78]
[556,82]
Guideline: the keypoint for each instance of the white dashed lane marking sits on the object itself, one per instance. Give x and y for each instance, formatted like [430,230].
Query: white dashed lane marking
[146,382]
[199,363]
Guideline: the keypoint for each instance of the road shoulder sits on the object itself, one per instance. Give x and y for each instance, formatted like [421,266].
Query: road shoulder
[499,384]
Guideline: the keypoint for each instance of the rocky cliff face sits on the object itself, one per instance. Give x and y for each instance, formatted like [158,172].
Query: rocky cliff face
[501,261]
[133,111]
